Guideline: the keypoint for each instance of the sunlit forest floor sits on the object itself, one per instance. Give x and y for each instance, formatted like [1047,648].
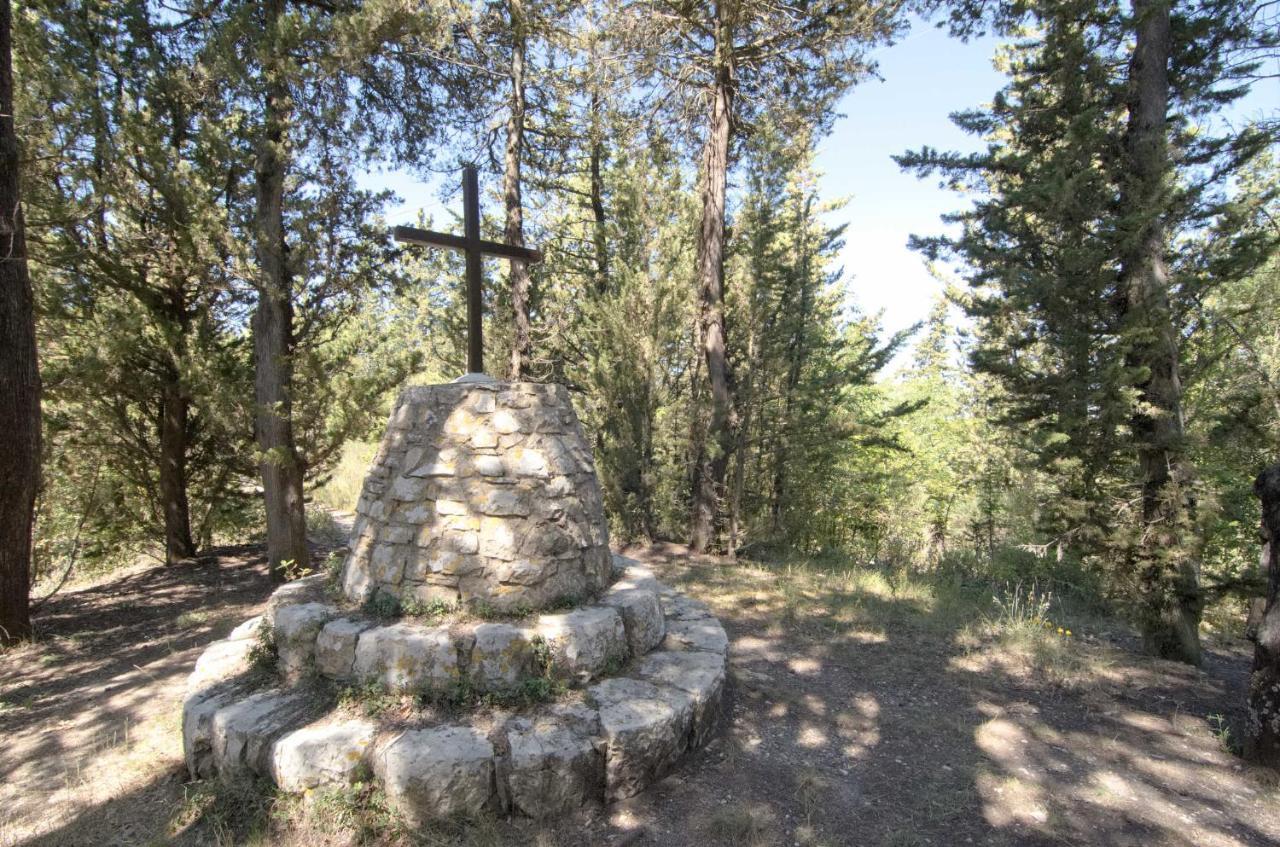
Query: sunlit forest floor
[865,708]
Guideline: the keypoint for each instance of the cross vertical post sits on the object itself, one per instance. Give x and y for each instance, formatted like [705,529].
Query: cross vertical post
[475,292]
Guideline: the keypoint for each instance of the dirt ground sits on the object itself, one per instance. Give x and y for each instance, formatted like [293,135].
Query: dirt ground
[860,712]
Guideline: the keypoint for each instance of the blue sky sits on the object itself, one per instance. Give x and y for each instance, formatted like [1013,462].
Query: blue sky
[925,77]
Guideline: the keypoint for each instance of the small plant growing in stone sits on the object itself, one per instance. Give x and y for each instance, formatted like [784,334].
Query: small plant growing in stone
[333,574]
[383,606]
[428,610]
[541,652]
[263,655]
[372,699]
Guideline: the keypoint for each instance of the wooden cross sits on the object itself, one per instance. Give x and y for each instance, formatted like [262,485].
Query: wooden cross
[474,249]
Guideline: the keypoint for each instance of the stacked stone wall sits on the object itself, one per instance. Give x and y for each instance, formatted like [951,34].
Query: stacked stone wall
[481,492]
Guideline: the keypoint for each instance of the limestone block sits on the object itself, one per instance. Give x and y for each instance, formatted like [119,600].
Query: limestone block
[645,728]
[499,539]
[198,709]
[321,755]
[398,534]
[357,581]
[220,661]
[521,572]
[500,657]
[436,773]
[635,575]
[505,421]
[387,564]
[297,628]
[523,461]
[641,616]
[243,731]
[489,466]
[583,643]
[506,502]
[248,629]
[451,507]
[554,768]
[703,634]
[409,488]
[309,589]
[336,647]
[682,608]
[406,656]
[700,675]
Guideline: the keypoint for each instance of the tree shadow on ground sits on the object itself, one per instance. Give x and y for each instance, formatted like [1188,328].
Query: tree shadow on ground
[91,707]
[862,717]
[859,713]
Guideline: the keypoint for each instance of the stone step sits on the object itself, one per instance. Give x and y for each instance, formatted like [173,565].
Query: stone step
[629,731]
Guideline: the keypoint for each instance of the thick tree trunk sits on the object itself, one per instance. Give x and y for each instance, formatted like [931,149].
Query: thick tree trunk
[19,372]
[1166,562]
[518,274]
[713,454]
[1262,742]
[174,408]
[273,335]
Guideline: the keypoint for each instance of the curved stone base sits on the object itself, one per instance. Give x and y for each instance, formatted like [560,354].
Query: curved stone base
[611,739]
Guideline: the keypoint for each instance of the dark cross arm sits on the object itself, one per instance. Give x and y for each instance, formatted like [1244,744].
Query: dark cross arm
[413,235]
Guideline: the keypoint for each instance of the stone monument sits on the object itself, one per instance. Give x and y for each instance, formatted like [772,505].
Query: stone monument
[478,574]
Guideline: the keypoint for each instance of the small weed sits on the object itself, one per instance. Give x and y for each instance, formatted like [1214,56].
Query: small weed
[225,811]
[430,610]
[740,824]
[372,699]
[462,695]
[263,656]
[333,573]
[383,606]
[1221,730]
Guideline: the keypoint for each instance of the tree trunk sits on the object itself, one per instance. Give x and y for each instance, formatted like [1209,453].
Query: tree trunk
[713,454]
[518,274]
[1167,570]
[1262,741]
[174,407]
[599,234]
[19,372]
[273,332]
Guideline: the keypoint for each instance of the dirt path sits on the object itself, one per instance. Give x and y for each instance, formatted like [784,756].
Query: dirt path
[860,716]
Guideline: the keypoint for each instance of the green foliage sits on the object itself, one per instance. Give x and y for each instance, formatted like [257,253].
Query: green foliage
[372,699]
[431,610]
[263,656]
[381,605]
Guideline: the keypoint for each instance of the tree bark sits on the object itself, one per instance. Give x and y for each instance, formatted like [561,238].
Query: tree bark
[518,273]
[599,233]
[1262,741]
[713,455]
[280,464]
[174,409]
[19,371]
[1168,573]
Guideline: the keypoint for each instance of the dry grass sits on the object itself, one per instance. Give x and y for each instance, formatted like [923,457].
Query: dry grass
[868,706]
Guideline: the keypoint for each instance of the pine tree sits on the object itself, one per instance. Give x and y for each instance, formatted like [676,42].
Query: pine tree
[728,63]
[19,374]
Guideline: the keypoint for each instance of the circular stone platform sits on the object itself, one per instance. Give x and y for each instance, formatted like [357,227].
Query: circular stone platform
[481,492]
[645,668]
[481,510]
